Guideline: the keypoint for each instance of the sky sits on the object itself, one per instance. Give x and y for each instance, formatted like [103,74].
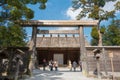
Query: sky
[55,10]
[62,10]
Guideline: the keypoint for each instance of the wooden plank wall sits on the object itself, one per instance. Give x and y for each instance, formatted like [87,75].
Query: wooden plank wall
[116,60]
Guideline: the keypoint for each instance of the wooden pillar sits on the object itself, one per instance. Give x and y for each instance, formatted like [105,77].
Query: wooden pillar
[98,68]
[33,52]
[17,71]
[34,36]
[83,54]
[105,61]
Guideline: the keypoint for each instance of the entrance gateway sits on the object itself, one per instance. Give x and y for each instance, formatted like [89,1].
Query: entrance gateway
[60,23]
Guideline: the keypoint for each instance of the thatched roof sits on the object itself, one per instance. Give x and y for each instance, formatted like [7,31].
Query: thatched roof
[58,42]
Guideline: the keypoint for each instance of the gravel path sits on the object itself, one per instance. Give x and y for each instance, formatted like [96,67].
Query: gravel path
[61,74]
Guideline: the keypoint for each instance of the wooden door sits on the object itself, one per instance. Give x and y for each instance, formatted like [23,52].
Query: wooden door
[59,58]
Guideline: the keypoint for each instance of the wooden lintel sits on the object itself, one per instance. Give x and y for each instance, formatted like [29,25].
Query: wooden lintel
[58,31]
[65,23]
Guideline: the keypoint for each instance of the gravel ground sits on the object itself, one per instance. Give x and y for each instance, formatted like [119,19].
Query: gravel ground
[62,74]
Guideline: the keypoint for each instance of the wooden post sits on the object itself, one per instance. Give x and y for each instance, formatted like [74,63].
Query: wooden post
[105,62]
[17,71]
[33,49]
[97,53]
[83,55]
[98,69]
[112,65]
[111,60]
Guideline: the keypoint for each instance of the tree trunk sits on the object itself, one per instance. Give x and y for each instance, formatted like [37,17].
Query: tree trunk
[100,38]
[100,35]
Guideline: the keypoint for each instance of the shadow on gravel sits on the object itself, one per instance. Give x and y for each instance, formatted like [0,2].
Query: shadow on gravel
[44,75]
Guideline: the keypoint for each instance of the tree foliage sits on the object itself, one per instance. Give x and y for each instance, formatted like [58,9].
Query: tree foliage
[94,9]
[17,9]
[95,35]
[12,34]
[112,35]
[3,36]
[94,42]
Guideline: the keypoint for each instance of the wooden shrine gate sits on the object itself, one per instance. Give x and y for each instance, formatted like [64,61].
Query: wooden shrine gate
[62,23]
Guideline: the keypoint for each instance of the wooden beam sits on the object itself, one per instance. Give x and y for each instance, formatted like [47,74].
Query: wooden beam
[65,23]
[57,31]
[100,47]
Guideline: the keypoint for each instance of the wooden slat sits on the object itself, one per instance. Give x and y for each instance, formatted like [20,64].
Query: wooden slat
[65,23]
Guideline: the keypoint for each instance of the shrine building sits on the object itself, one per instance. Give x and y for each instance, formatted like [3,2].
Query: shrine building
[74,48]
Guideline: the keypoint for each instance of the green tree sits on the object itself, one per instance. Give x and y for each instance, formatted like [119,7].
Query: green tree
[13,35]
[3,35]
[112,35]
[95,35]
[16,35]
[17,9]
[11,10]
[94,10]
